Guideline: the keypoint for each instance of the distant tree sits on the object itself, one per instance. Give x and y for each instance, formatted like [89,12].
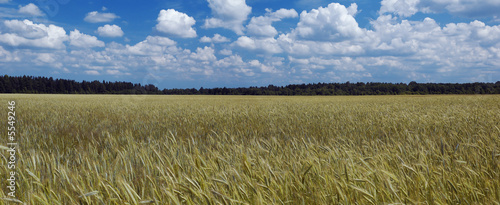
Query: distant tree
[30,84]
[7,84]
[2,86]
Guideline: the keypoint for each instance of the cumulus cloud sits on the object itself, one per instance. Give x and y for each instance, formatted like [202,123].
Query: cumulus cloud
[83,40]
[425,46]
[217,38]
[97,17]
[226,52]
[176,23]
[229,14]
[308,47]
[332,23]
[235,63]
[330,39]
[402,8]
[28,34]
[330,30]
[204,54]
[262,67]
[160,54]
[267,45]
[261,26]
[326,45]
[110,31]
[465,8]
[153,45]
[30,9]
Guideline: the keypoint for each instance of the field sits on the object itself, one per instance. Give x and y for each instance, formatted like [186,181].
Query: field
[103,149]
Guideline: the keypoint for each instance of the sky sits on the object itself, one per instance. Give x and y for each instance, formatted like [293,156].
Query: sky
[238,43]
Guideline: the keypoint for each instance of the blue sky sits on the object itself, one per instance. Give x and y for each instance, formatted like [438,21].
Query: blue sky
[238,43]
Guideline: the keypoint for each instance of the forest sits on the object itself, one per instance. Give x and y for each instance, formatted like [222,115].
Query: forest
[45,85]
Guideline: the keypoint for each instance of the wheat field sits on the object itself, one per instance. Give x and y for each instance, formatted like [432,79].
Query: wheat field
[125,149]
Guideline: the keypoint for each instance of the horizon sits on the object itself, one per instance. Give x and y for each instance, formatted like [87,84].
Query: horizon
[262,86]
[236,44]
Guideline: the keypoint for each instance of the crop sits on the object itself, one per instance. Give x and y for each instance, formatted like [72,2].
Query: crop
[124,149]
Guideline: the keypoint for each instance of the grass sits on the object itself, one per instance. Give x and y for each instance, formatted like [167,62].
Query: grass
[101,149]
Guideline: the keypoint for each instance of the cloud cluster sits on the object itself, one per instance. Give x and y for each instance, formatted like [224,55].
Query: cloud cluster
[465,8]
[326,44]
[328,40]
[28,34]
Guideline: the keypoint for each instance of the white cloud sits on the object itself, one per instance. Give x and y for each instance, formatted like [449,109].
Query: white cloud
[83,40]
[288,43]
[30,9]
[235,63]
[465,8]
[283,13]
[333,23]
[7,56]
[226,52]
[113,72]
[46,57]
[49,59]
[204,54]
[4,1]
[158,40]
[263,68]
[246,42]
[205,39]
[216,39]
[153,45]
[402,8]
[341,63]
[176,23]
[304,48]
[26,29]
[425,46]
[97,17]
[229,14]
[92,72]
[26,33]
[261,26]
[110,31]
[268,45]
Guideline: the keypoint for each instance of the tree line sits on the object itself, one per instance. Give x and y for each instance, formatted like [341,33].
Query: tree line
[44,85]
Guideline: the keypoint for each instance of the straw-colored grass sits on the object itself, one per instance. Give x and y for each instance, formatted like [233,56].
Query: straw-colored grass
[76,149]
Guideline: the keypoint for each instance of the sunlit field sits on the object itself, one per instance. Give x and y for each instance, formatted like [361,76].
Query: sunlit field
[123,149]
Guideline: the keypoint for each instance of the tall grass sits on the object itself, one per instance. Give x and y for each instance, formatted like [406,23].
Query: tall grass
[77,149]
